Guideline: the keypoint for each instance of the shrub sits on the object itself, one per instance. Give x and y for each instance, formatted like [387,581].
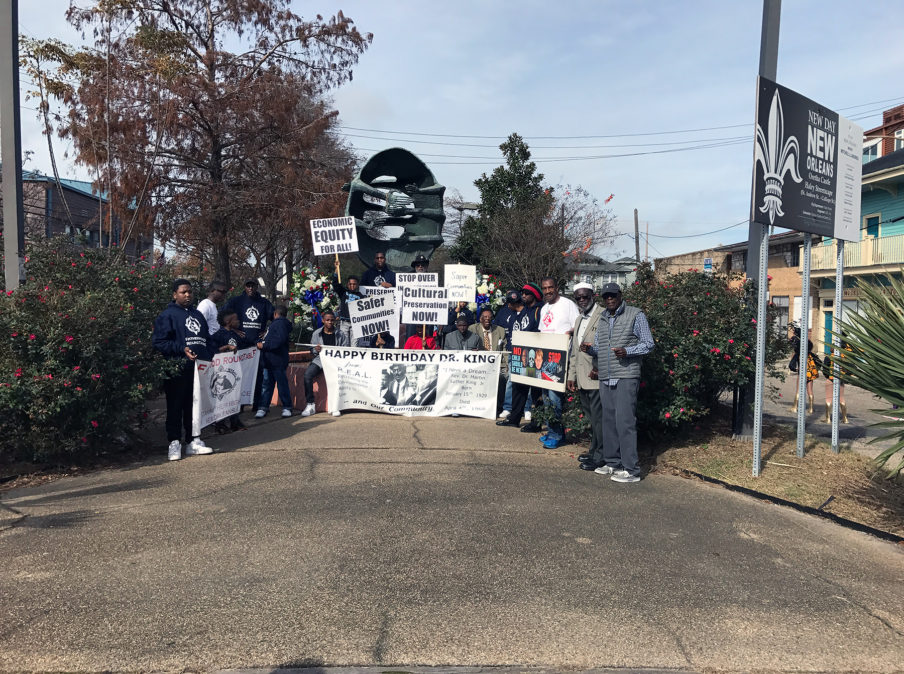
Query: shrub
[76,361]
[704,327]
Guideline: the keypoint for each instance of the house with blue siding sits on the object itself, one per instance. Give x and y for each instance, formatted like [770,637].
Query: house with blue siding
[877,255]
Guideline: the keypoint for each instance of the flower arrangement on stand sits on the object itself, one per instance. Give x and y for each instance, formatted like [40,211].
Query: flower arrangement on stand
[311,294]
[488,292]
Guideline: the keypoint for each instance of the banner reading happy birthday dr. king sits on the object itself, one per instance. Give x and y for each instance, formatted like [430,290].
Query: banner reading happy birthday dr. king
[413,383]
[222,386]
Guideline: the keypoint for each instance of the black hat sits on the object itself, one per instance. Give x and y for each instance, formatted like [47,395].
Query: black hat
[420,259]
[251,282]
[611,289]
[513,297]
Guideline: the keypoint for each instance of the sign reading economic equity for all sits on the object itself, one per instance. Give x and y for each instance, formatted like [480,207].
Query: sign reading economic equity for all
[334,235]
[425,305]
[807,165]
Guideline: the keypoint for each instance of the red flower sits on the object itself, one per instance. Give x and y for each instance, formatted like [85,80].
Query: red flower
[668,415]
[731,341]
[69,339]
[94,423]
[31,337]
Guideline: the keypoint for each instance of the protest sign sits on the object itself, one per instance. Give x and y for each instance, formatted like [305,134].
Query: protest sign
[425,305]
[370,315]
[334,235]
[423,279]
[414,383]
[458,279]
[222,385]
[539,359]
[379,291]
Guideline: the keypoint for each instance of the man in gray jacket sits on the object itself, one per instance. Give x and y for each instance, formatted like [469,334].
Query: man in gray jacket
[582,372]
[622,339]
[330,336]
[461,339]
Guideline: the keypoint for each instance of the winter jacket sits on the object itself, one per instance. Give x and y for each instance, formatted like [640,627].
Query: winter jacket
[222,337]
[317,338]
[177,327]
[254,313]
[275,350]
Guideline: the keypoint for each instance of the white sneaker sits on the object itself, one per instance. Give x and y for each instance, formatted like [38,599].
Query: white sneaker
[336,413]
[624,476]
[174,452]
[308,410]
[604,470]
[527,416]
[197,447]
[287,412]
[260,414]
[504,414]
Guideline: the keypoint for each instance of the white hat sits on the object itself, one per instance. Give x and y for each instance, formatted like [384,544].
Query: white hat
[582,286]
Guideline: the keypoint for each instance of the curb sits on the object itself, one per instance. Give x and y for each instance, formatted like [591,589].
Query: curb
[775,500]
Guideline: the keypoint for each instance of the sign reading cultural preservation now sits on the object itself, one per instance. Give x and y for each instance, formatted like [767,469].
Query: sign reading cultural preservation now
[807,165]
[458,279]
[334,235]
[425,305]
[370,315]
[414,383]
[422,279]
[222,385]
[539,359]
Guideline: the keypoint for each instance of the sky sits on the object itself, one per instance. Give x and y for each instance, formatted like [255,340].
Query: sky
[604,92]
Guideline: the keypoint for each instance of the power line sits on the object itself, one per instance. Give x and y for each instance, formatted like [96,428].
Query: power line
[691,236]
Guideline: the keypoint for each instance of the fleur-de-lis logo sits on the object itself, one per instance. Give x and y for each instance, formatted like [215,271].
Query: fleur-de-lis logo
[777,156]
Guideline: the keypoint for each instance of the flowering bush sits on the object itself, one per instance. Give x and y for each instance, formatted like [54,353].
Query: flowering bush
[311,294]
[76,361]
[488,291]
[705,333]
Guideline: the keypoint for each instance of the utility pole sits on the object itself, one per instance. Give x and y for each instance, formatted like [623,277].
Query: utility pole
[747,422]
[646,244]
[11,145]
[636,238]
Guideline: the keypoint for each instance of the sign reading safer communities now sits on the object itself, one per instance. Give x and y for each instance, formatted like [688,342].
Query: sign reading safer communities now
[334,235]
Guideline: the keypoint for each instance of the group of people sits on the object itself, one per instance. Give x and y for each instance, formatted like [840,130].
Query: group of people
[607,343]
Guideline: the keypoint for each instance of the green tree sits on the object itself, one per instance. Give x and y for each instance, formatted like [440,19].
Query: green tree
[871,357]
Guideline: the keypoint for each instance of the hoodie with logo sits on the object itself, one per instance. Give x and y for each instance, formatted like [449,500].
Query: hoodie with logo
[275,349]
[177,327]
[254,313]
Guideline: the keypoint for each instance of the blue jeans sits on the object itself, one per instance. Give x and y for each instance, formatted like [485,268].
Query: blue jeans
[278,378]
[555,429]
[507,402]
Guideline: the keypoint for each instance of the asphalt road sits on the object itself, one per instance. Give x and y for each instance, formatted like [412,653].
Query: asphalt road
[386,541]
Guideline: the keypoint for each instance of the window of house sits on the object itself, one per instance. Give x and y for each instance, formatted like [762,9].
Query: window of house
[899,139]
[871,149]
[871,225]
[782,306]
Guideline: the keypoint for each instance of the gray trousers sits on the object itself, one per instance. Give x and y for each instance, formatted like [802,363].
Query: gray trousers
[619,405]
[593,410]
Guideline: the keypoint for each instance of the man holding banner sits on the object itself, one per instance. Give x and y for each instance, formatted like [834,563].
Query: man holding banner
[328,336]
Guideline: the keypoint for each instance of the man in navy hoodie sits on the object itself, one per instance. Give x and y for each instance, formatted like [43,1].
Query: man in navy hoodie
[254,313]
[180,333]
[274,347]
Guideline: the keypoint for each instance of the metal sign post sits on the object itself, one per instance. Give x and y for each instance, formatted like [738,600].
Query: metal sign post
[762,290]
[836,342]
[11,143]
[804,351]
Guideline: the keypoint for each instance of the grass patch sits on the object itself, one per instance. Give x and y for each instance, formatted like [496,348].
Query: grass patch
[858,490]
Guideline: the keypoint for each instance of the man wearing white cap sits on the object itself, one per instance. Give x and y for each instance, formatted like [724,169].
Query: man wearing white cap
[582,372]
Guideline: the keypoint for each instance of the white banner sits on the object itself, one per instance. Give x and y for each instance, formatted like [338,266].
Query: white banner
[334,235]
[459,279]
[222,386]
[539,359]
[424,279]
[414,383]
[373,314]
[425,305]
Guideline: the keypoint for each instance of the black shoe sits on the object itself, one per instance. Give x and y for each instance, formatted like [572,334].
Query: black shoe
[508,422]
[531,428]
[589,465]
[584,458]
[237,425]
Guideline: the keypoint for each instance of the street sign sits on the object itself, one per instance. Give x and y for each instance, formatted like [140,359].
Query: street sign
[807,165]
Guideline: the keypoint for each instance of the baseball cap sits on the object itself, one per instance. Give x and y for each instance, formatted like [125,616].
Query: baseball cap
[611,289]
